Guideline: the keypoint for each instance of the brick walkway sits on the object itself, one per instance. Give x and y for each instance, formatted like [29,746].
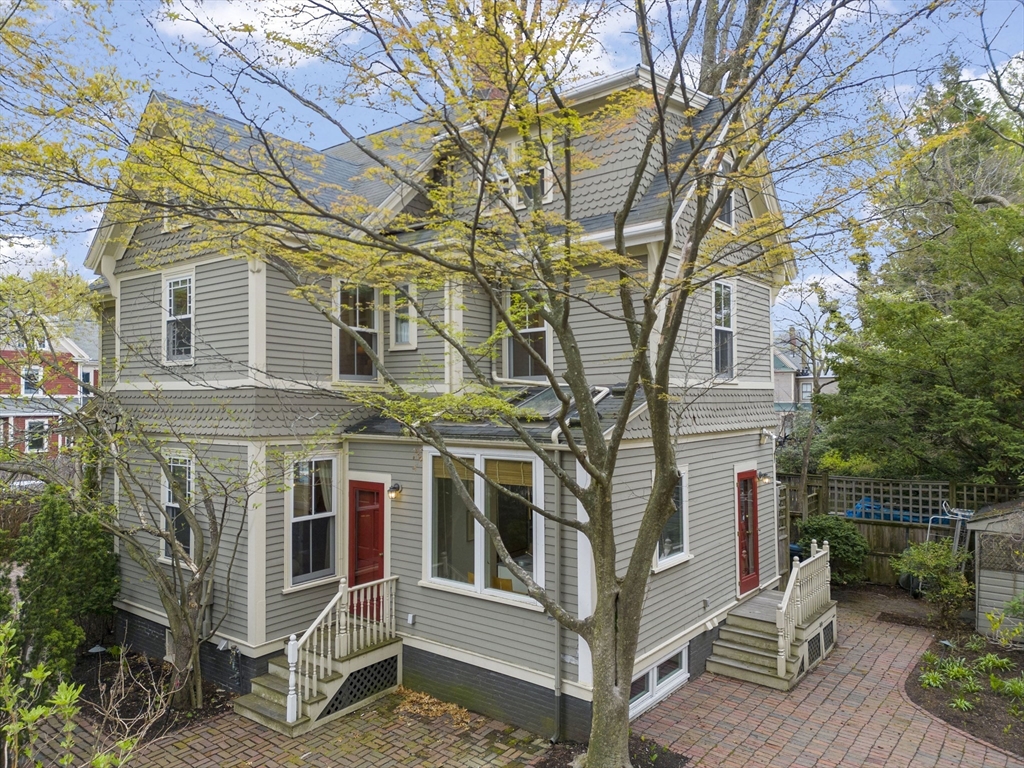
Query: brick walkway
[850,711]
[374,738]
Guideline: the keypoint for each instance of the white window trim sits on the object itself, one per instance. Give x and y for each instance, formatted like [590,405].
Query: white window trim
[378,319]
[506,352]
[165,314]
[661,564]
[289,508]
[514,194]
[46,435]
[479,589]
[810,391]
[729,226]
[731,327]
[165,487]
[658,692]
[393,346]
[39,381]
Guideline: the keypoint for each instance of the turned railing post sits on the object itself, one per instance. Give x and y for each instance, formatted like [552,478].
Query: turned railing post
[343,639]
[293,697]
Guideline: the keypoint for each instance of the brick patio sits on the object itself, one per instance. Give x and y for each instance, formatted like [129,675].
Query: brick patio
[850,711]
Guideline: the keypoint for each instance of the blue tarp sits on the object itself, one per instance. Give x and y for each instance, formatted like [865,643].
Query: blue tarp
[868,509]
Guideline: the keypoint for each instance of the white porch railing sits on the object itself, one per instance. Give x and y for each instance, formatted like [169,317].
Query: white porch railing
[807,593]
[357,618]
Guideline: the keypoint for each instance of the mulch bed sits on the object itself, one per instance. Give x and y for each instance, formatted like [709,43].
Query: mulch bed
[990,720]
[119,702]
[643,753]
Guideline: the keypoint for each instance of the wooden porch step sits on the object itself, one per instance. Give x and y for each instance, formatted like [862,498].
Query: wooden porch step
[752,673]
[749,637]
[753,656]
[265,712]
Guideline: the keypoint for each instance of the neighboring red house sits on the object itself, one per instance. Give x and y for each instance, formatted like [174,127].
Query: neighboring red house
[36,387]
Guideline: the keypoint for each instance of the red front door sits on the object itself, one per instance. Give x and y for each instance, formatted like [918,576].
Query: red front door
[366,547]
[746,489]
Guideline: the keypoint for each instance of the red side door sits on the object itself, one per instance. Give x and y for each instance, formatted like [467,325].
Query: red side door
[366,536]
[746,489]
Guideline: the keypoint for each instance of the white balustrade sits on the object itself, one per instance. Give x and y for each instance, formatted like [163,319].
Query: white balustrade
[355,619]
[807,593]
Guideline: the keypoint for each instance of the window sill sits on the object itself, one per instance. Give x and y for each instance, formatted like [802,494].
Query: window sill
[402,348]
[310,584]
[347,383]
[495,597]
[671,562]
[177,363]
[726,227]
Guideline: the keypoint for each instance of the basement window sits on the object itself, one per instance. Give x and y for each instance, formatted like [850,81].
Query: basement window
[658,681]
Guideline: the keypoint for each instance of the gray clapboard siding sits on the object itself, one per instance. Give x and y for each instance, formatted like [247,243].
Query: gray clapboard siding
[477,325]
[995,590]
[753,331]
[221,307]
[460,621]
[674,596]
[225,466]
[424,364]
[299,339]
[140,314]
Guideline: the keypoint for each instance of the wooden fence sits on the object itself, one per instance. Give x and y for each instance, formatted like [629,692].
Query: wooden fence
[891,514]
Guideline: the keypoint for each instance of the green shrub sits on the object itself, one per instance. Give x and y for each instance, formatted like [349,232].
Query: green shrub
[975,643]
[71,575]
[991,662]
[847,547]
[937,568]
[961,703]
[932,680]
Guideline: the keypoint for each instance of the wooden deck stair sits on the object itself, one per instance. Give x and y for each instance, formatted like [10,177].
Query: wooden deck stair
[774,647]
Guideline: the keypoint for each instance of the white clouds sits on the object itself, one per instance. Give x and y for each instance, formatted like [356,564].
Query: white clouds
[24,255]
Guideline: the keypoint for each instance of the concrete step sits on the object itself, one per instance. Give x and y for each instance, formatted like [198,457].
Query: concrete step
[273,688]
[273,716]
[750,673]
[766,660]
[749,637]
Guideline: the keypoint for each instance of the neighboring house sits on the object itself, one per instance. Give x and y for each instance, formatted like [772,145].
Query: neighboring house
[257,378]
[37,387]
[794,383]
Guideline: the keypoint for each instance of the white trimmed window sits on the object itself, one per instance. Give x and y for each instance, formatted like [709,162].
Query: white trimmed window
[723,330]
[313,516]
[520,363]
[806,391]
[32,380]
[357,308]
[177,496]
[88,377]
[521,185]
[403,318]
[727,213]
[179,326]
[36,434]
[461,553]
[674,544]
[659,680]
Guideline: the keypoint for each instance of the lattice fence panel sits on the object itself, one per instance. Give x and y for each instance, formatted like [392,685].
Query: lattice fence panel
[891,500]
[828,634]
[974,496]
[814,649]
[362,684]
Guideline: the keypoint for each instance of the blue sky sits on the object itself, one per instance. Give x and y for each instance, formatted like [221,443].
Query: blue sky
[148,45]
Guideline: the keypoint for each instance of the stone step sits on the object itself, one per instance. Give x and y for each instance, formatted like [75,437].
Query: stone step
[750,673]
[749,637]
[754,656]
[273,716]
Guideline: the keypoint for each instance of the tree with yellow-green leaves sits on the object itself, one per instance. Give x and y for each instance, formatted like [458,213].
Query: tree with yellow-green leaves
[726,91]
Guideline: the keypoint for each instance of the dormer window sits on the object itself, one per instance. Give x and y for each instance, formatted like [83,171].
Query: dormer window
[357,309]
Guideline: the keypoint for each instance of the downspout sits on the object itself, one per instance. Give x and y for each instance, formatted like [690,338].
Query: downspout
[557,456]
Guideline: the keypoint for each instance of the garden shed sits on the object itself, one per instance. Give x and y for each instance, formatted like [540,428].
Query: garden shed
[999,558]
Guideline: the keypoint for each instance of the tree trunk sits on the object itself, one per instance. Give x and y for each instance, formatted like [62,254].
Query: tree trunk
[609,726]
[186,678]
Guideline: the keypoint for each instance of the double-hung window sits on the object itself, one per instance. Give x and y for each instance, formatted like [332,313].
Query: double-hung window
[461,552]
[177,497]
[524,179]
[403,314]
[31,380]
[178,335]
[35,435]
[314,513]
[533,329]
[357,309]
[723,330]
[674,544]
[806,391]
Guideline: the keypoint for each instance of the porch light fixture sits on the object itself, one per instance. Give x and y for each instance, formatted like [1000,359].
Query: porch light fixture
[764,477]
[394,490]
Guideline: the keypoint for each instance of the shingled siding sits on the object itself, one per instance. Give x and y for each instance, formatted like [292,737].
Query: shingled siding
[463,621]
[226,467]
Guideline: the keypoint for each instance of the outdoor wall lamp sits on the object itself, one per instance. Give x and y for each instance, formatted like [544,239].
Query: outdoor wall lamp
[764,477]
[394,490]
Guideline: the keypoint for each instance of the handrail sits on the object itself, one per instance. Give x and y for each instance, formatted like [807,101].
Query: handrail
[356,618]
[807,592]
